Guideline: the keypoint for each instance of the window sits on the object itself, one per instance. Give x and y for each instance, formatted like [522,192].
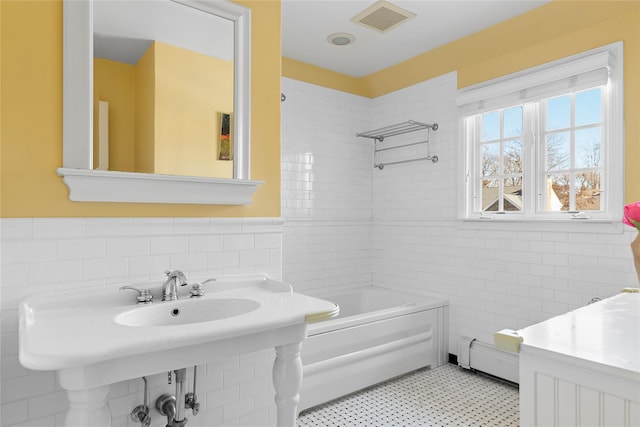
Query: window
[499,169]
[546,143]
[571,151]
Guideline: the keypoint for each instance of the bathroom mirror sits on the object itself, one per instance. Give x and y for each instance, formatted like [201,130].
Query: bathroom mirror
[82,171]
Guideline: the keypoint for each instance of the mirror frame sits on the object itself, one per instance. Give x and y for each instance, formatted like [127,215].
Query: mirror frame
[87,184]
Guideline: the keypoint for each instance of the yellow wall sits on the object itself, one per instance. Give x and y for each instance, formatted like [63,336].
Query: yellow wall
[145,128]
[555,30]
[114,82]
[320,76]
[191,90]
[31,109]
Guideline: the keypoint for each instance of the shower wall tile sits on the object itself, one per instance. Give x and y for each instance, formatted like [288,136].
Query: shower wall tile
[326,187]
[419,190]
[326,169]
[46,255]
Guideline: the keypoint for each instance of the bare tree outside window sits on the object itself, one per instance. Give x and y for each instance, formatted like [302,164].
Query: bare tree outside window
[502,160]
[573,151]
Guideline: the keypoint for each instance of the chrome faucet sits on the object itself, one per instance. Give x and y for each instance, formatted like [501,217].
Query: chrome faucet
[170,286]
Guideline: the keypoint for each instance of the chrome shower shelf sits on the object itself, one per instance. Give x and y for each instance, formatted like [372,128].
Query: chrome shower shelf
[397,129]
[379,135]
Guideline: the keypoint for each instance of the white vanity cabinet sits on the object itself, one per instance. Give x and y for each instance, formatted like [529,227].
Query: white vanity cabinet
[583,368]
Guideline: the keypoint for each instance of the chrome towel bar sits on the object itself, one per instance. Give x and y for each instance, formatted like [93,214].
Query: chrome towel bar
[379,135]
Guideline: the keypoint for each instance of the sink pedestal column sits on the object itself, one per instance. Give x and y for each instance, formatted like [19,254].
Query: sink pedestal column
[88,408]
[287,379]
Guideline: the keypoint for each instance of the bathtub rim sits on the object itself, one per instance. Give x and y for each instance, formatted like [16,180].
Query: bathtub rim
[416,303]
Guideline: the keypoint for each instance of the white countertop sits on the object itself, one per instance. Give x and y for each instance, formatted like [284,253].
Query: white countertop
[604,335]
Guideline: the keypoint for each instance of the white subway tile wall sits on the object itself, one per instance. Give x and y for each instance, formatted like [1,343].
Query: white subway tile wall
[326,187]
[40,255]
[326,169]
[494,277]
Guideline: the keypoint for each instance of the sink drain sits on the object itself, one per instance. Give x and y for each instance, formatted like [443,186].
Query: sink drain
[175,312]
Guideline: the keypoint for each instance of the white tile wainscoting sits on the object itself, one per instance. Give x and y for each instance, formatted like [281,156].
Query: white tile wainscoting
[40,255]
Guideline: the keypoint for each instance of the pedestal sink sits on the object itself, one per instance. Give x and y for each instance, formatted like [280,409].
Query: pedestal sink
[94,337]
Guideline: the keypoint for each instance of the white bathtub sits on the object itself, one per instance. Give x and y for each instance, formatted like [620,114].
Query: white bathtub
[379,334]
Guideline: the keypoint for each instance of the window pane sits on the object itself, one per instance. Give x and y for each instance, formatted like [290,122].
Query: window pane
[588,109]
[558,192]
[490,159]
[588,143]
[588,191]
[513,156]
[490,195]
[512,122]
[491,126]
[559,113]
[558,151]
[512,200]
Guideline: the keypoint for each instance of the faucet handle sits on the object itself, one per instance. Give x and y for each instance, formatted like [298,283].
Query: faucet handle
[197,290]
[144,295]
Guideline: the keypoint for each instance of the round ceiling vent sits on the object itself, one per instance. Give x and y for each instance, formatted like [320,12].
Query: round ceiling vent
[341,39]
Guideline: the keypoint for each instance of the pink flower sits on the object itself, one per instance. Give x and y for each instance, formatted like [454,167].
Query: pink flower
[632,215]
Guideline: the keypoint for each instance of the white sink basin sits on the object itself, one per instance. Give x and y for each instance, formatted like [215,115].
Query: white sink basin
[186,312]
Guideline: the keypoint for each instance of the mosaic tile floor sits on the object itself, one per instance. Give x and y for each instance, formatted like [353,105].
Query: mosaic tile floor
[445,396]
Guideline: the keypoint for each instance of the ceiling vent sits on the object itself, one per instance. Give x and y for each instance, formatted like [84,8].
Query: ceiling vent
[383,16]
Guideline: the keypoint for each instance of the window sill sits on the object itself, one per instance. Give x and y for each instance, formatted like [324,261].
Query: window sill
[544,225]
[105,186]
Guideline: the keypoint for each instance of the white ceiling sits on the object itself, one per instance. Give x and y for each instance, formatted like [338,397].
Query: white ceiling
[306,24]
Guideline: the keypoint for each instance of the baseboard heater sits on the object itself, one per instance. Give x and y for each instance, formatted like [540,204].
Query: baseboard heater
[479,356]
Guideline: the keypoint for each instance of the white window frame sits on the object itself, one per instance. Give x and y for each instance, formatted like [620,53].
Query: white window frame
[604,65]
